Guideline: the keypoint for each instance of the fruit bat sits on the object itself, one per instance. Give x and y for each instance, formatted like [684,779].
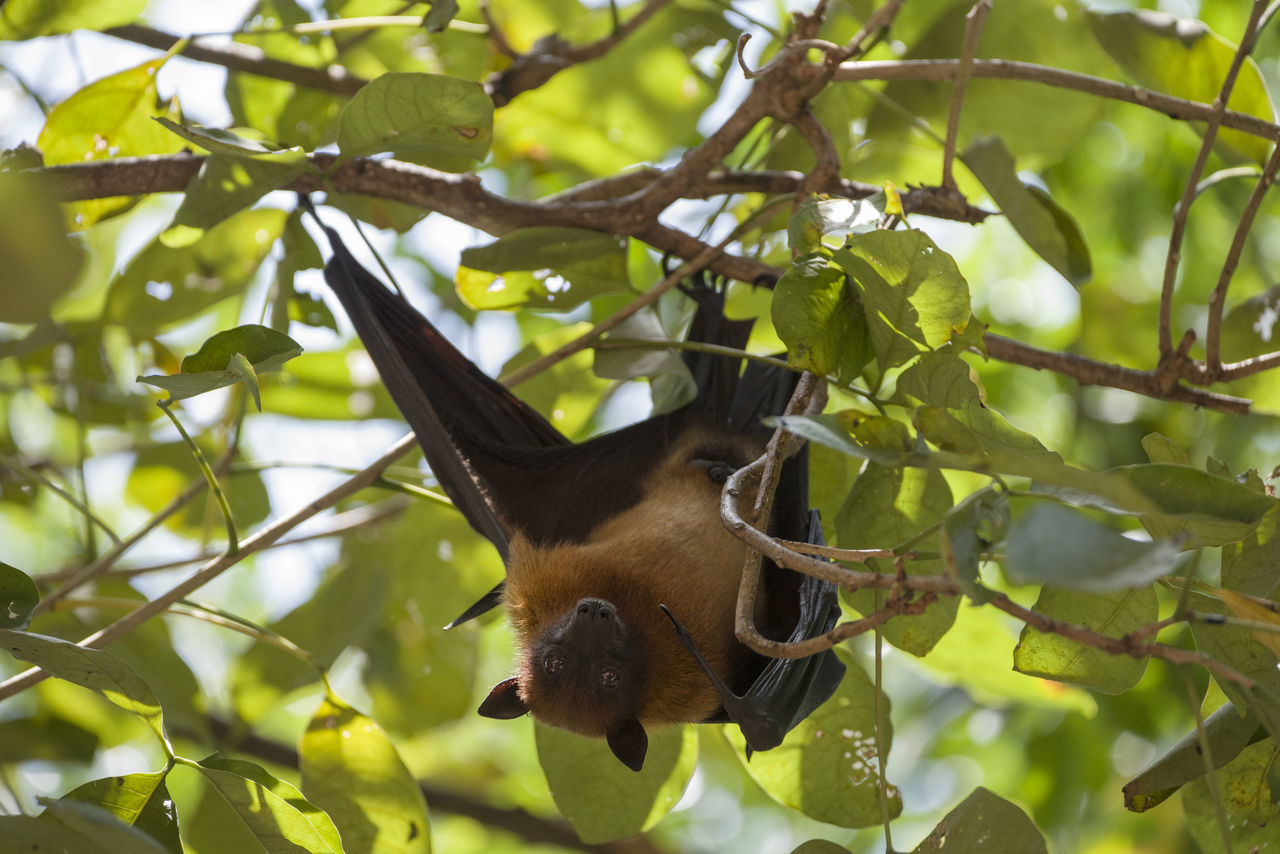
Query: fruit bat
[600,538]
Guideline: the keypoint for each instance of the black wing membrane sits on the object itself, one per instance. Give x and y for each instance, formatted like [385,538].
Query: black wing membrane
[430,380]
[783,691]
[498,460]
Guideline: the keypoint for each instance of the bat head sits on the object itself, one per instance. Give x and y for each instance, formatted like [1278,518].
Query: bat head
[583,673]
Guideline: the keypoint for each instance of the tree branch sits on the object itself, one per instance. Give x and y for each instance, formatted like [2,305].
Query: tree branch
[238,56]
[899,584]
[1007,69]
[551,55]
[1090,372]
[1173,256]
[1218,298]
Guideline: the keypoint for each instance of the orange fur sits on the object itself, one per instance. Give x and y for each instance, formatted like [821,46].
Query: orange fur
[670,549]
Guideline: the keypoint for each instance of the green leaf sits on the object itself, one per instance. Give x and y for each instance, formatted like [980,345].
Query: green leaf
[140,800]
[418,675]
[543,266]
[1061,659]
[225,185]
[1052,543]
[41,262]
[442,12]
[603,799]
[968,530]
[163,470]
[1252,565]
[430,119]
[1236,647]
[242,353]
[25,19]
[18,597]
[977,655]
[264,348]
[242,370]
[943,380]
[90,668]
[108,118]
[912,292]
[275,812]
[886,507]
[1213,510]
[1162,449]
[831,430]
[819,846]
[1243,790]
[1227,731]
[288,113]
[984,822]
[1252,327]
[819,216]
[638,103]
[1185,58]
[344,611]
[221,141]
[632,362]
[829,766]
[161,285]
[1049,230]
[48,736]
[819,316]
[70,826]
[351,770]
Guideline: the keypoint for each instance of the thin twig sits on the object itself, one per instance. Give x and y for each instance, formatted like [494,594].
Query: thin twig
[1218,298]
[826,169]
[92,570]
[973,24]
[238,56]
[17,466]
[648,298]
[339,524]
[879,20]
[250,545]
[1173,256]
[551,55]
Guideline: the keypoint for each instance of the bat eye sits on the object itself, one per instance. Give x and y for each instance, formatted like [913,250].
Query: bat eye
[553,664]
[610,679]
[717,471]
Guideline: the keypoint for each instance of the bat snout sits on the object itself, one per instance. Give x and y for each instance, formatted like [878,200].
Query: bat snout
[595,609]
[595,621]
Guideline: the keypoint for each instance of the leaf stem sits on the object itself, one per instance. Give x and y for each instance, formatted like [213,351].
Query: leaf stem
[233,539]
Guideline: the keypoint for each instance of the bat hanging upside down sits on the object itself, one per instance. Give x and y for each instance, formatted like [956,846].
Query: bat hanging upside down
[599,538]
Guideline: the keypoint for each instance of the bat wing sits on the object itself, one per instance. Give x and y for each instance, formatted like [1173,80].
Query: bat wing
[450,404]
[785,691]
[788,690]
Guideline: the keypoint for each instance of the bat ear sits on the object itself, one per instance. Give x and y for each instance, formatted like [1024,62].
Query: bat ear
[504,701]
[629,743]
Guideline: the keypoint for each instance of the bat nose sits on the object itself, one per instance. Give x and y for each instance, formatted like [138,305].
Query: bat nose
[595,609]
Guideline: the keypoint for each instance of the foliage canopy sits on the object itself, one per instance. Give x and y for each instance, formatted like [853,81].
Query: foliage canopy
[987,225]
